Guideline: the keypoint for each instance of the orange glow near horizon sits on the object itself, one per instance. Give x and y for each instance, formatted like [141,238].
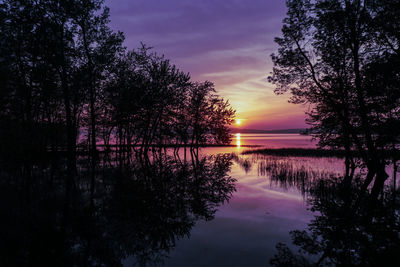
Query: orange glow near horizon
[254,100]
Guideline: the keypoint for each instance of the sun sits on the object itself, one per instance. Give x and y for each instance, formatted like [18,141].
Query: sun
[238,121]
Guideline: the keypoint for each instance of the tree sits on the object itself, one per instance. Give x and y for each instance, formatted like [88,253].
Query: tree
[98,47]
[152,102]
[326,58]
[208,115]
[64,72]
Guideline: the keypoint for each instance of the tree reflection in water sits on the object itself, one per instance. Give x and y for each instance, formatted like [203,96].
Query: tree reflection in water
[350,227]
[134,208]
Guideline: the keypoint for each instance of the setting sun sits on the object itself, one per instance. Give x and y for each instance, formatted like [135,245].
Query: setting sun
[238,121]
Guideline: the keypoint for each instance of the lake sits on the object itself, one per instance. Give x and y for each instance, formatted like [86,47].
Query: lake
[245,231]
[212,207]
[274,140]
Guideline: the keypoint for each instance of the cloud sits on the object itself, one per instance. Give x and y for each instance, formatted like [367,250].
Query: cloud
[182,28]
[225,41]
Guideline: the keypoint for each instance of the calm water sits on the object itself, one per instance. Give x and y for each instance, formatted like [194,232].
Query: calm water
[216,207]
[274,140]
[243,141]
[245,231]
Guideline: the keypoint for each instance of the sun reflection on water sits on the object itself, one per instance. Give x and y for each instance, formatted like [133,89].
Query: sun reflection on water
[238,140]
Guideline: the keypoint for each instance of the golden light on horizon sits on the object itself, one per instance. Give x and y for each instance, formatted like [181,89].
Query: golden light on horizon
[238,121]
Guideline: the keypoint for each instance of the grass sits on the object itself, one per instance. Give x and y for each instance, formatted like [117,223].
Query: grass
[298,152]
[313,152]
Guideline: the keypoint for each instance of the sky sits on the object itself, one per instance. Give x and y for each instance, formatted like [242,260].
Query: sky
[228,42]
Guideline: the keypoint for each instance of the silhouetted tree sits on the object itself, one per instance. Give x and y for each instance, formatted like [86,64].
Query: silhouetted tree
[154,103]
[208,115]
[98,47]
[65,74]
[329,57]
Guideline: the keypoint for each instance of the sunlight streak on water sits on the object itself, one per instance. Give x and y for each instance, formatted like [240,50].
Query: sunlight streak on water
[273,140]
[238,140]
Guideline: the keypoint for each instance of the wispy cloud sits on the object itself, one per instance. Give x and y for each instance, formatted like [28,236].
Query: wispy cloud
[224,41]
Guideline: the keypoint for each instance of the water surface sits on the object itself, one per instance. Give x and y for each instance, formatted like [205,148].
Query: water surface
[274,140]
[216,207]
[261,212]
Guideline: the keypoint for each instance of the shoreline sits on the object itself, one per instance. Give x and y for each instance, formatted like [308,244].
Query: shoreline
[310,152]
[297,152]
[176,145]
[259,149]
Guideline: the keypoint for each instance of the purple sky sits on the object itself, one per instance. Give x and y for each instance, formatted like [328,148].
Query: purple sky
[228,42]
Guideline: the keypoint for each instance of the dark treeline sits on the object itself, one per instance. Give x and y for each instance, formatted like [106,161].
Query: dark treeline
[67,84]
[342,58]
[67,80]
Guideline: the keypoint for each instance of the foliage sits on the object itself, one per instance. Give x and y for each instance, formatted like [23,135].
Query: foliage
[342,58]
[63,70]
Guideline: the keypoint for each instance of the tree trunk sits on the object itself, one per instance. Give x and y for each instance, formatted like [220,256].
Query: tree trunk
[92,93]
[380,179]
